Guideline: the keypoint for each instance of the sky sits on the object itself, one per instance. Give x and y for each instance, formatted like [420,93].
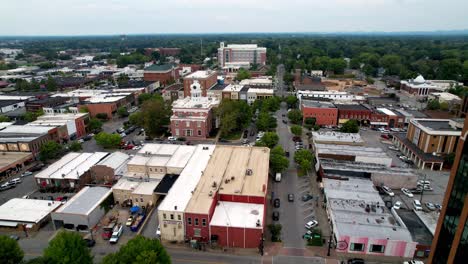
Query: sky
[104,17]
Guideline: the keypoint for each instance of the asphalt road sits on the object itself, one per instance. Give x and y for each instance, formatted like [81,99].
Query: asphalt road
[291,213]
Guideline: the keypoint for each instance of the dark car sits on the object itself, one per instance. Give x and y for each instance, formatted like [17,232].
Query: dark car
[356,261]
[37,167]
[275,216]
[307,197]
[380,190]
[287,153]
[223,140]
[89,242]
[297,139]
[291,197]
[276,203]
[246,133]
[284,121]
[252,133]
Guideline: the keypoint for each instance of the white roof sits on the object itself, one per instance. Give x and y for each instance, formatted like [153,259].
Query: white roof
[26,210]
[243,215]
[181,192]
[146,188]
[419,79]
[158,161]
[198,103]
[260,90]
[71,166]
[159,149]
[62,117]
[125,184]
[25,129]
[200,74]
[181,156]
[447,96]
[233,88]
[386,111]
[115,160]
[104,99]
[331,136]
[85,201]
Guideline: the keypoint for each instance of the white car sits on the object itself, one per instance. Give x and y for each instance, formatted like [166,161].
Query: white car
[388,191]
[311,224]
[116,234]
[158,231]
[422,182]
[397,205]
[407,192]
[171,138]
[417,205]
[26,173]
[393,148]
[137,147]
[123,134]
[413,262]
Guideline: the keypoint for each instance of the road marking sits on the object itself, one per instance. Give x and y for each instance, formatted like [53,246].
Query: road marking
[199,261]
[310,215]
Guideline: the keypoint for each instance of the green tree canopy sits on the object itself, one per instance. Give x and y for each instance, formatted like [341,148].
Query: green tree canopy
[68,248]
[51,84]
[291,101]
[296,130]
[350,126]
[136,119]
[309,122]
[139,250]
[122,111]
[143,97]
[94,125]
[265,121]
[270,139]
[32,116]
[234,116]
[108,140]
[304,159]
[50,150]
[278,161]
[295,116]
[10,251]
[75,146]
[4,118]
[243,74]
[433,104]
[155,115]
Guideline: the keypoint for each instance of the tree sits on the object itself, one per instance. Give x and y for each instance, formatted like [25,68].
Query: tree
[444,106]
[278,161]
[32,116]
[309,122]
[75,146]
[243,74]
[270,104]
[39,260]
[275,230]
[50,150]
[51,84]
[135,119]
[265,121]
[107,140]
[296,130]
[102,116]
[4,118]
[155,116]
[337,65]
[22,85]
[10,251]
[94,125]
[139,250]
[234,116]
[155,55]
[291,101]
[304,159]
[84,109]
[68,248]
[123,79]
[295,116]
[122,111]
[350,126]
[270,139]
[433,104]
[143,97]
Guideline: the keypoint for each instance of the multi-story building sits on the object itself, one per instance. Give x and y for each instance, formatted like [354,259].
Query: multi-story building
[422,87]
[75,123]
[165,73]
[193,116]
[335,96]
[49,102]
[173,92]
[355,112]
[206,80]
[429,140]
[325,113]
[10,105]
[450,243]
[241,54]
[27,138]
[106,103]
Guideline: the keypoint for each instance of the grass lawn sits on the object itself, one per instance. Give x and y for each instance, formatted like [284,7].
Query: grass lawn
[234,135]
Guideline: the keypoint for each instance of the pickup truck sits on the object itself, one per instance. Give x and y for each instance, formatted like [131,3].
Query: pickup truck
[116,234]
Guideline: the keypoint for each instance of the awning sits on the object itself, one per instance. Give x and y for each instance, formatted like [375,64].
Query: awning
[379,123]
[8,223]
[342,120]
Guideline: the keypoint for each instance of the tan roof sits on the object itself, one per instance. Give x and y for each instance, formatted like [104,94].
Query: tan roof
[228,169]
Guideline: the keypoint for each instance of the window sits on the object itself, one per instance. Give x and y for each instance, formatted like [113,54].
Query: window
[198,124]
[357,247]
[199,132]
[164,216]
[196,221]
[187,123]
[203,222]
[189,221]
[177,123]
[179,218]
[172,217]
[377,248]
[141,199]
[177,131]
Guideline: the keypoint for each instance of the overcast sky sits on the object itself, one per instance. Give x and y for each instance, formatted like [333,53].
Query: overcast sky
[91,17]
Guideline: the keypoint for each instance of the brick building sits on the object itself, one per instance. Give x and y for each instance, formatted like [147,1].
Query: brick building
[50,102]
[192,117]
[325,114]
[241,53]
[173,92]
[165,73]
[26,138]
[353,111]
[106,104]
[206,79]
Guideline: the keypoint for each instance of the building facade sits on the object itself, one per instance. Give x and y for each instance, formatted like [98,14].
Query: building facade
[325,114]
[450,243]
[206,80]
[165,73]
[193,116]
[237,53]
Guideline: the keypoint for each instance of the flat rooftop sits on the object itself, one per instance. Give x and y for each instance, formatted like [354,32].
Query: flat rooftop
[357,107]
[386,111]
[146,187]
[350,150]
[25,211]
[242,215]
[358,209]
[317,104]
[344,165]
[175,87]
[85,201]
[181,192]
[71,166]
[227,173]
[436,124]
[233,88]
[169,155]
[337,137]
[27,129]
[11,158]
[200,74]
[203,103]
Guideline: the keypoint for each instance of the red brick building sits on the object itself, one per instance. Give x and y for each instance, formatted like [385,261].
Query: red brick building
[193,116]
[106,104]
[165,73]
[325,113]
[206,79]
[355,112]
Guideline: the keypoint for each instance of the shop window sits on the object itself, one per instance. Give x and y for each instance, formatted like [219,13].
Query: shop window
[357,247]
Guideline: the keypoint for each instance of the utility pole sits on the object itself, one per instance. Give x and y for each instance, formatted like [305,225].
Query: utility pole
[329,244]
[422,187]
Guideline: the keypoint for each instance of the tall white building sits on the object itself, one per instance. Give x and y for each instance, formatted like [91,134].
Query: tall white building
[241,54]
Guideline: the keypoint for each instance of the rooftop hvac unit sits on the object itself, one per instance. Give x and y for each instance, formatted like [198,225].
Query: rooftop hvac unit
[248,172]
[210,194]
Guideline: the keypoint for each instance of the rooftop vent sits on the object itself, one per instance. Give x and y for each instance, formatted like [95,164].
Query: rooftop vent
[248,172]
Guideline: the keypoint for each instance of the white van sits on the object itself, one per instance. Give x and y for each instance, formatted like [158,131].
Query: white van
[278,177]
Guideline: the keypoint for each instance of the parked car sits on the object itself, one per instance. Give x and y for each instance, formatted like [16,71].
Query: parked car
[223,140]
[246,134]
[15,181]
[296,139]
[276,203]
[158,231]
[388,191]
[291,197]
[116,234]
[430,206]
[397,205]
[438,206]
[385,136]
[129,221]
[393,148]
[286,153]
[413,262]
[284,121]
[26,173]
[380,190]
[171,138]
[275,216]
[407,192]
[14,237]
[417,205]
[89,242]
[307,197]
[311,224]
[423,182]
[245,141]
[356,261]
[36,167]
